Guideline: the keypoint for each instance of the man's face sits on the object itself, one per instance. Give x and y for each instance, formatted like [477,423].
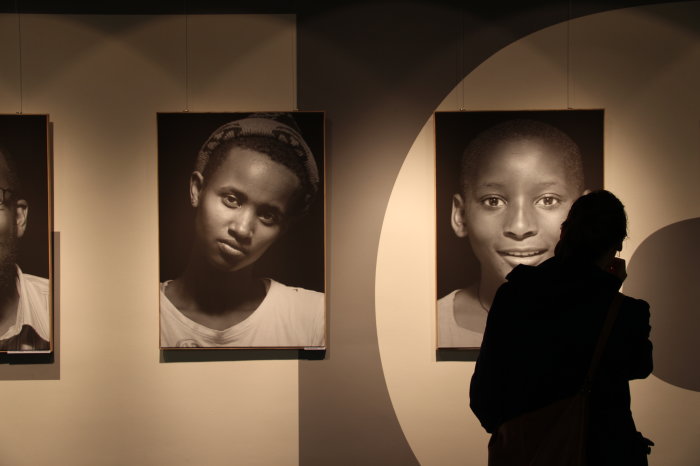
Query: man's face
[242,208]
[513,209]
[13,218]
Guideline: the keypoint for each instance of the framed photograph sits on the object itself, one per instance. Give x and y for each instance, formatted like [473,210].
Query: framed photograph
[241,230]
[505,181]
[26,315]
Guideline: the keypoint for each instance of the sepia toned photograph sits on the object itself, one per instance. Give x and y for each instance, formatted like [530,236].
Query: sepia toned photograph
[505,181]
[241,230]
[26,317]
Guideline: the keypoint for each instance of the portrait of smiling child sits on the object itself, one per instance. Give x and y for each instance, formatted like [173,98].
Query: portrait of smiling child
[517,181]
[253,179]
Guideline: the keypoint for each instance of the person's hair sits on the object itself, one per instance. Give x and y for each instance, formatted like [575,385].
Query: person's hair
[491,139]
[275,135]
[596,223]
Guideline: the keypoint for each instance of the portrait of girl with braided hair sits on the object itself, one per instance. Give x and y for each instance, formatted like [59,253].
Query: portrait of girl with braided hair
[240,277]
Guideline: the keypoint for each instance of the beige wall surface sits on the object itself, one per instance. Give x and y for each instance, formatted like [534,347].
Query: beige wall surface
[642,66]
[110,400]
[102,79]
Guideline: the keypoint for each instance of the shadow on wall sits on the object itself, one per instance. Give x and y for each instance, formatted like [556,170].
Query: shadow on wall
[664,271]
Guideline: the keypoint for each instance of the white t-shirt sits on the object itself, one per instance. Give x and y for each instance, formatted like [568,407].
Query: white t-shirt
[32,313]
[451,334]
[287,317]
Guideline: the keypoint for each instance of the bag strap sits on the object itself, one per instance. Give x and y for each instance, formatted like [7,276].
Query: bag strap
[602,339]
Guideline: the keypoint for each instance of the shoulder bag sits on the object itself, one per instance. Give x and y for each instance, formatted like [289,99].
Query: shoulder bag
[554,435]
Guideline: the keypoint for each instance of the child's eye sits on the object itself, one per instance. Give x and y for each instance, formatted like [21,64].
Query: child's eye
[547,201]
[230,200]
[493,201]
[269,218]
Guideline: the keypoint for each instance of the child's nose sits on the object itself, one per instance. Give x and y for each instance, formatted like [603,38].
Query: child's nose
[242,224]
[520,222]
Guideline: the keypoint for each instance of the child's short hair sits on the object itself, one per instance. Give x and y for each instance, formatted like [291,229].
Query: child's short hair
[273,134]
[489,140]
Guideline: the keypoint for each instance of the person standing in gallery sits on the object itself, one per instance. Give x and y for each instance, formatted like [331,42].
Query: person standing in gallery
[518,180]
[25,323]
[544,325]
[252,179]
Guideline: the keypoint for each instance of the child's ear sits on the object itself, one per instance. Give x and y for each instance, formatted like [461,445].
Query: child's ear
[196,183]
[458,215]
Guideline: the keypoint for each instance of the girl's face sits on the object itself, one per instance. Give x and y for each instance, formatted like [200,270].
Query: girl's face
[242,209]
[513,210]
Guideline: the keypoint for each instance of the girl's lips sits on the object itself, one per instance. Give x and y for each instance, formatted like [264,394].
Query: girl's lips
[231,249]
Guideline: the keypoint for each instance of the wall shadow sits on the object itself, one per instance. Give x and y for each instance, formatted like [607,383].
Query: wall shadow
[663,271]
[209,355]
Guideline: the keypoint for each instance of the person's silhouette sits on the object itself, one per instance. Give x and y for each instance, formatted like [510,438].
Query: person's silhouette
[543,327]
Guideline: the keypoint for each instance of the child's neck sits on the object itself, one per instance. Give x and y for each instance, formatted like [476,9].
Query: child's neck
[214,293]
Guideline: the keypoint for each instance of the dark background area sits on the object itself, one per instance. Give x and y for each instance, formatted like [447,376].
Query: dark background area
[296,259]
[494,9]
[457,267]
[26,138]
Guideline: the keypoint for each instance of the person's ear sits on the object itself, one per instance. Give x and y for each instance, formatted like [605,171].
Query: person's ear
[21,212]
[196,184]
[458,216]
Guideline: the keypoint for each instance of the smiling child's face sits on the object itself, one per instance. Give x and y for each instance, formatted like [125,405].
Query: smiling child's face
[513,209]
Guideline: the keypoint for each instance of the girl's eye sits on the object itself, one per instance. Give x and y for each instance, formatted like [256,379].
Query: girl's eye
[230,200]
[547,201]
[493,201]
[269,218]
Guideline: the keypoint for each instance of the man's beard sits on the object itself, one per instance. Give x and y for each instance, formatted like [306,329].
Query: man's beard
[8,269]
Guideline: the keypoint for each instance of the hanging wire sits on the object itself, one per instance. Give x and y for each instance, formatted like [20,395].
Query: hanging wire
[19,55]
[460,75]
[295,102]
[187,59]
[568,59]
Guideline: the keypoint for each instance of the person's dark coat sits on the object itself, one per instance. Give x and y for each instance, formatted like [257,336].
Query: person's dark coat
[538,344]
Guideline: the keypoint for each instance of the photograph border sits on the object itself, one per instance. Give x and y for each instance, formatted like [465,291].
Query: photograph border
[453,130]
[41,250]
[317,143]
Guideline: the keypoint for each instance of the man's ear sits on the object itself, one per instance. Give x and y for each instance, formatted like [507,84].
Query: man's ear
[21,212]
[458,215]
[196,184]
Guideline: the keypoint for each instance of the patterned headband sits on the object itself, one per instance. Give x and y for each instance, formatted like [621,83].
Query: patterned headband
[261,124]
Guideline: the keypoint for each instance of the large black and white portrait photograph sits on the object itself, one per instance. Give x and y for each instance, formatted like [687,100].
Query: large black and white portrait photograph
[505,181]
[26,323]
[241,230]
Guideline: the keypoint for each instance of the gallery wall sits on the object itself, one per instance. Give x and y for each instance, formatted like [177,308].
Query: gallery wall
[382,395]
[652,150]
[398,399]
[110,398]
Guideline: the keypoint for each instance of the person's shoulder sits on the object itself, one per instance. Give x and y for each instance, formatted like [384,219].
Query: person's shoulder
[635,305]
[297,293]
[521,279]
[40,284]
[447,301]
[525,272]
